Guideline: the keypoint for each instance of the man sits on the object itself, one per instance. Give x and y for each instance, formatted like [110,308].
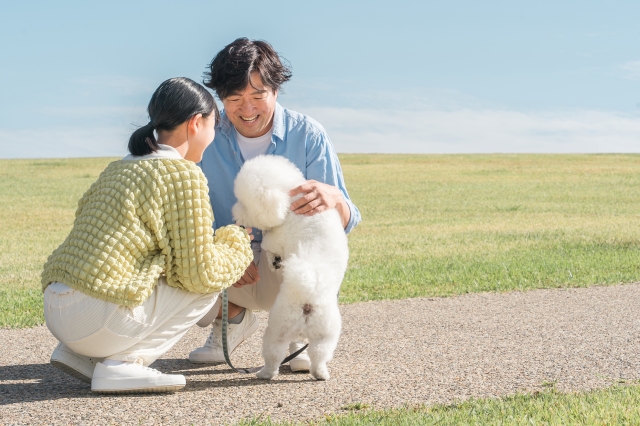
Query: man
[247,75]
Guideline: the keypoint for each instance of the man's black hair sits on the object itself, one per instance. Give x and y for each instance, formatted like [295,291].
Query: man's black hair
[230,70]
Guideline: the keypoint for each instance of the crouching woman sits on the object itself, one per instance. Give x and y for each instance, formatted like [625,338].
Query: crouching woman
[141,264]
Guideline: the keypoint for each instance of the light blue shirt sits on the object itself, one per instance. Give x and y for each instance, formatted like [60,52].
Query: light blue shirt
[295,136]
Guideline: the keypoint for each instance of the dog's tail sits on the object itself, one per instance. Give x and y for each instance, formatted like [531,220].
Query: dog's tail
[310,274]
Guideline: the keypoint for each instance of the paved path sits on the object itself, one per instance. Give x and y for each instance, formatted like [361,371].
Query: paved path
[442,350]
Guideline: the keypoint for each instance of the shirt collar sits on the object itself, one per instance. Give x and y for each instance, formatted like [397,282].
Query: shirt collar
[278,122]
[164,151]
[225,126]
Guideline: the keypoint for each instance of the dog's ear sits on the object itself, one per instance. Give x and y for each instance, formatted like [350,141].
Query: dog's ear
[265,210]
[272,207]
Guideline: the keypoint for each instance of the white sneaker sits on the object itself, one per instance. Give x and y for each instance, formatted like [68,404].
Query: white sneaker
[302,361]
[211,352]
[76,365]
[133,378]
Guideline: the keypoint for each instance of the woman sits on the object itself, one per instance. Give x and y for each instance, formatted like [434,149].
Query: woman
[141,264]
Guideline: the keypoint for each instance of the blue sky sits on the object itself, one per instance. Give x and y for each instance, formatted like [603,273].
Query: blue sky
[401,76]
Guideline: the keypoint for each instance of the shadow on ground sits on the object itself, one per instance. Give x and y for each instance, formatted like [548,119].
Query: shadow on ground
[43,382]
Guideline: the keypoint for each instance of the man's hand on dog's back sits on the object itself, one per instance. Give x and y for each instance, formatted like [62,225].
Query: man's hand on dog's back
[319,197]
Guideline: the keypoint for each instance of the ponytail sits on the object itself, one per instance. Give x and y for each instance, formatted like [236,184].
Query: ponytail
[175,101]
[143,141]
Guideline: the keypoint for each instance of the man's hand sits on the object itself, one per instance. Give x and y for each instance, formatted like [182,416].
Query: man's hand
[319,197]
[251,276]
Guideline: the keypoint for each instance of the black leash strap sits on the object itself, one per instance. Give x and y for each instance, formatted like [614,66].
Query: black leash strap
[225,345]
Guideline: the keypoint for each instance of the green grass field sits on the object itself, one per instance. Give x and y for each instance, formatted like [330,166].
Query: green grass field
[443,225]
[37,205]
[434,225]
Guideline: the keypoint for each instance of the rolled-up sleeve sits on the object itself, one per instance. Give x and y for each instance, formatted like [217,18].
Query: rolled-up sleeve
[323,165]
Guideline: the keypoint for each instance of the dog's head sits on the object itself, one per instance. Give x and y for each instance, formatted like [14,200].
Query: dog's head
[262,190]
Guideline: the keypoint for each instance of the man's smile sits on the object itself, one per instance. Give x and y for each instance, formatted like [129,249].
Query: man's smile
[250,119]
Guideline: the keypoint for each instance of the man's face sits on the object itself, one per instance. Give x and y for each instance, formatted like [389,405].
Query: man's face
[251,110]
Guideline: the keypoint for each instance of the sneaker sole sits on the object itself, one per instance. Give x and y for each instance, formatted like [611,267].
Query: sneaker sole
[245,335]
[194,361]
[297,365]
[158,389]
[70,371]
[298,370]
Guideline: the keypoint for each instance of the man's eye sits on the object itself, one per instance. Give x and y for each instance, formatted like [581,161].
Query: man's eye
[234,99]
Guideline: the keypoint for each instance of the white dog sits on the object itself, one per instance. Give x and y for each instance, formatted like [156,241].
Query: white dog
[312,253]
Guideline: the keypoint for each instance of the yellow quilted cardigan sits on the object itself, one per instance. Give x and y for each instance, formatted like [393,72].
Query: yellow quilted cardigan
[142,219]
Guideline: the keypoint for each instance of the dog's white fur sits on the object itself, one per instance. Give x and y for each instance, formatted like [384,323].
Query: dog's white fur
[313,252]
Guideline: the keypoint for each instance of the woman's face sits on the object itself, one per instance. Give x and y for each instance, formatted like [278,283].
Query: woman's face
[202,133]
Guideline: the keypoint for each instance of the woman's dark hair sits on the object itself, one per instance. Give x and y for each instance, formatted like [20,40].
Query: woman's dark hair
[175,101]
[230,71]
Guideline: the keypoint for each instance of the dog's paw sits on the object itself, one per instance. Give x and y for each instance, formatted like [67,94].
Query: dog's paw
[320,373]
[274,261]
[265,374]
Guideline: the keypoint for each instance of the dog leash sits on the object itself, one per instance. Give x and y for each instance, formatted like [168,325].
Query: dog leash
[225,350]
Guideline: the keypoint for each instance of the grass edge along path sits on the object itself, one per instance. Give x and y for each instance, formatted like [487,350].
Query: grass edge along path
[616,405]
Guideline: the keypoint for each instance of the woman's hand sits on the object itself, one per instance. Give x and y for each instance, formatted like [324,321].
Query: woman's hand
[250,276]
[250,232]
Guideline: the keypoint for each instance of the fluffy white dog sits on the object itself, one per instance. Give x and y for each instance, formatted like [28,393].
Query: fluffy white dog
[311,252]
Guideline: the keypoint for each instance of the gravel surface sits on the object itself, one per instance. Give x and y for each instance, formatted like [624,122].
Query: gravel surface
[441,350]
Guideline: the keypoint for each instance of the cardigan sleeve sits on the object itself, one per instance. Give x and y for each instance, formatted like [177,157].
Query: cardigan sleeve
[225,260]
[198,261]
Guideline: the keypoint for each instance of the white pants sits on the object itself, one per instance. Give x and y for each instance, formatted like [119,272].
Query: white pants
[100,329]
